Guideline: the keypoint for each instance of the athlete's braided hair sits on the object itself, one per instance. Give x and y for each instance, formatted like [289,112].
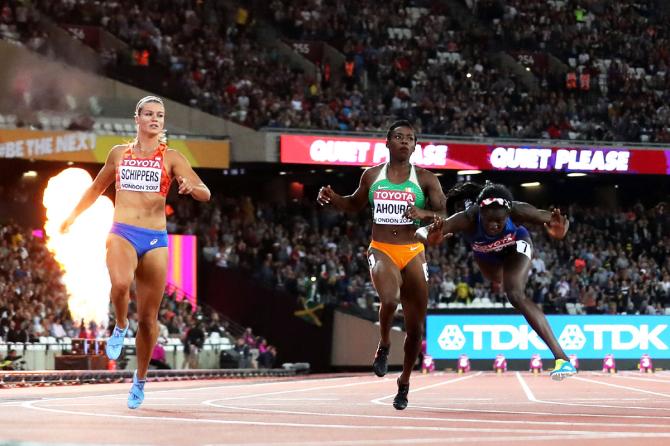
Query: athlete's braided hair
[465,193]
[470,193]
[495,190]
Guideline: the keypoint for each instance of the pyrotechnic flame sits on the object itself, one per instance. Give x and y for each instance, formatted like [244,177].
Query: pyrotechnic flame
[81,251]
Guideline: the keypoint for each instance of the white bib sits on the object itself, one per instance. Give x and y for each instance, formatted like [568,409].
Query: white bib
[390,205]
[140,175]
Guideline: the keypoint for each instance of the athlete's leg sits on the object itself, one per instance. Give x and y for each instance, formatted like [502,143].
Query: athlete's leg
[121,264]
[151,276]
[515,275]
[491,272]
[414,298]
[386,279]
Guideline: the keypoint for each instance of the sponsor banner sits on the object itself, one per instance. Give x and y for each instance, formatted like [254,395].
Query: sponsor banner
[352,151]
[88,147]
[483,337]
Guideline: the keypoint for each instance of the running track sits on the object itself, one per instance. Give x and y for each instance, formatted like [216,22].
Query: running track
[477,408]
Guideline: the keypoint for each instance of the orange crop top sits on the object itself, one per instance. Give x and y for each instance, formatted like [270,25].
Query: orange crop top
[143,174]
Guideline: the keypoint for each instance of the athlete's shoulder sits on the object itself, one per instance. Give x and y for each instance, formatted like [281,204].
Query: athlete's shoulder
[423,173]
[121,147]
[376,168]
[173,153]
[117,151]
[373,171]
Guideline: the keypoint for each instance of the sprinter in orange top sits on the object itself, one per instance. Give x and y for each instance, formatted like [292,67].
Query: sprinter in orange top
[137,243]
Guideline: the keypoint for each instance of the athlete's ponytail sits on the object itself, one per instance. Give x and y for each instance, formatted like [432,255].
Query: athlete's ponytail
[464,193]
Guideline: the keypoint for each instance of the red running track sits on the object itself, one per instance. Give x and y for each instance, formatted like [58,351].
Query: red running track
[477,408]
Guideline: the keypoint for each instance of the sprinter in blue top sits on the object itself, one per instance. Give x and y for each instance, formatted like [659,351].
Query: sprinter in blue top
[503,249]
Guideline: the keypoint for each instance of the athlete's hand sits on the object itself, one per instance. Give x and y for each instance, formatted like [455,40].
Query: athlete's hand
[558,226]
[435,234]
[414,213]
[185,185]
[65,226]
[432,234]
[326,195]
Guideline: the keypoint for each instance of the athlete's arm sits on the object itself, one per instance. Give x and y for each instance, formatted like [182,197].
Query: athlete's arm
[436,232]
[350,203]
[189,182]
[436,197]
[101,182]
[556,224]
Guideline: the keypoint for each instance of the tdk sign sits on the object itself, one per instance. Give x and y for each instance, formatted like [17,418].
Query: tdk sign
[483,337]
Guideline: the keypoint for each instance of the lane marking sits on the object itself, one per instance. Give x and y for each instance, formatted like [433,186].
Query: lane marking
[419,389]
[411,441]
[632,389]
[440,419]
[531,397]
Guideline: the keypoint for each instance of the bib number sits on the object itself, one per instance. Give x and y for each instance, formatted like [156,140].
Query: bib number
[524,248]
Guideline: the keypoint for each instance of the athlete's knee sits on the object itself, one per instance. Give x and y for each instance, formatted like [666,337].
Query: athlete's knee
[390,299]
[413,337]
[147,321]
[516,296]
[120,285]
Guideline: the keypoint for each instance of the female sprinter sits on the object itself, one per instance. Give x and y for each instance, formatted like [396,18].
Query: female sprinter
[397,192]
[502,249]
[137,243]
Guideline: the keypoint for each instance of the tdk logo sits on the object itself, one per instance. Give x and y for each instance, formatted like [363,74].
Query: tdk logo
[598,337]
[451,338]
[572,338]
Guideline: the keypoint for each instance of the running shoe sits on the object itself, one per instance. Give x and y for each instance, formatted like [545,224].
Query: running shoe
[380,364]
[115,342]
[136,394]
[562,370]
[400,400]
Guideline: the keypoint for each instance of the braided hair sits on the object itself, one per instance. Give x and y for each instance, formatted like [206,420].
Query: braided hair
[467,193]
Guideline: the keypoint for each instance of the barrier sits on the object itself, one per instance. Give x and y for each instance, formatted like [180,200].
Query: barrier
[42,356]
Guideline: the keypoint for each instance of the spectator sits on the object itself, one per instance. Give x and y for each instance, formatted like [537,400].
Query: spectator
[193,343]
[266,359]
[158,355]
[244,353]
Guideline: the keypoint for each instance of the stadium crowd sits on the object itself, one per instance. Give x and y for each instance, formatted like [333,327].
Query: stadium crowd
[604,72]
[610,262]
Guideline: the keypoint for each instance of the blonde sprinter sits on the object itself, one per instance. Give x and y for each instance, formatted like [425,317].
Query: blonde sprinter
[137,244]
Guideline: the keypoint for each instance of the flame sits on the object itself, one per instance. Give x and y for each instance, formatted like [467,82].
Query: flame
[81,251]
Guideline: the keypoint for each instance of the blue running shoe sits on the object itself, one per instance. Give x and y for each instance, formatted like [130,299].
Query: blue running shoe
[136,394]
[115,342]
[562,370]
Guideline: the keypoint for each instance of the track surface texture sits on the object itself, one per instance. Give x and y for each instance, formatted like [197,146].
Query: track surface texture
[514,408]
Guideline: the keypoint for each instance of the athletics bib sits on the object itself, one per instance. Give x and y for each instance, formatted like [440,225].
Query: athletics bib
[390,205]
[139,175]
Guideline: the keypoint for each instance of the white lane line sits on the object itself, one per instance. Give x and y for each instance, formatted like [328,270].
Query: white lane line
[632,389]
[526,389]
[642,378]
[124,395]
[531,397]
[302,426]
[418,389]
[470,440]
[438,419]
[303,399]
[307,389]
